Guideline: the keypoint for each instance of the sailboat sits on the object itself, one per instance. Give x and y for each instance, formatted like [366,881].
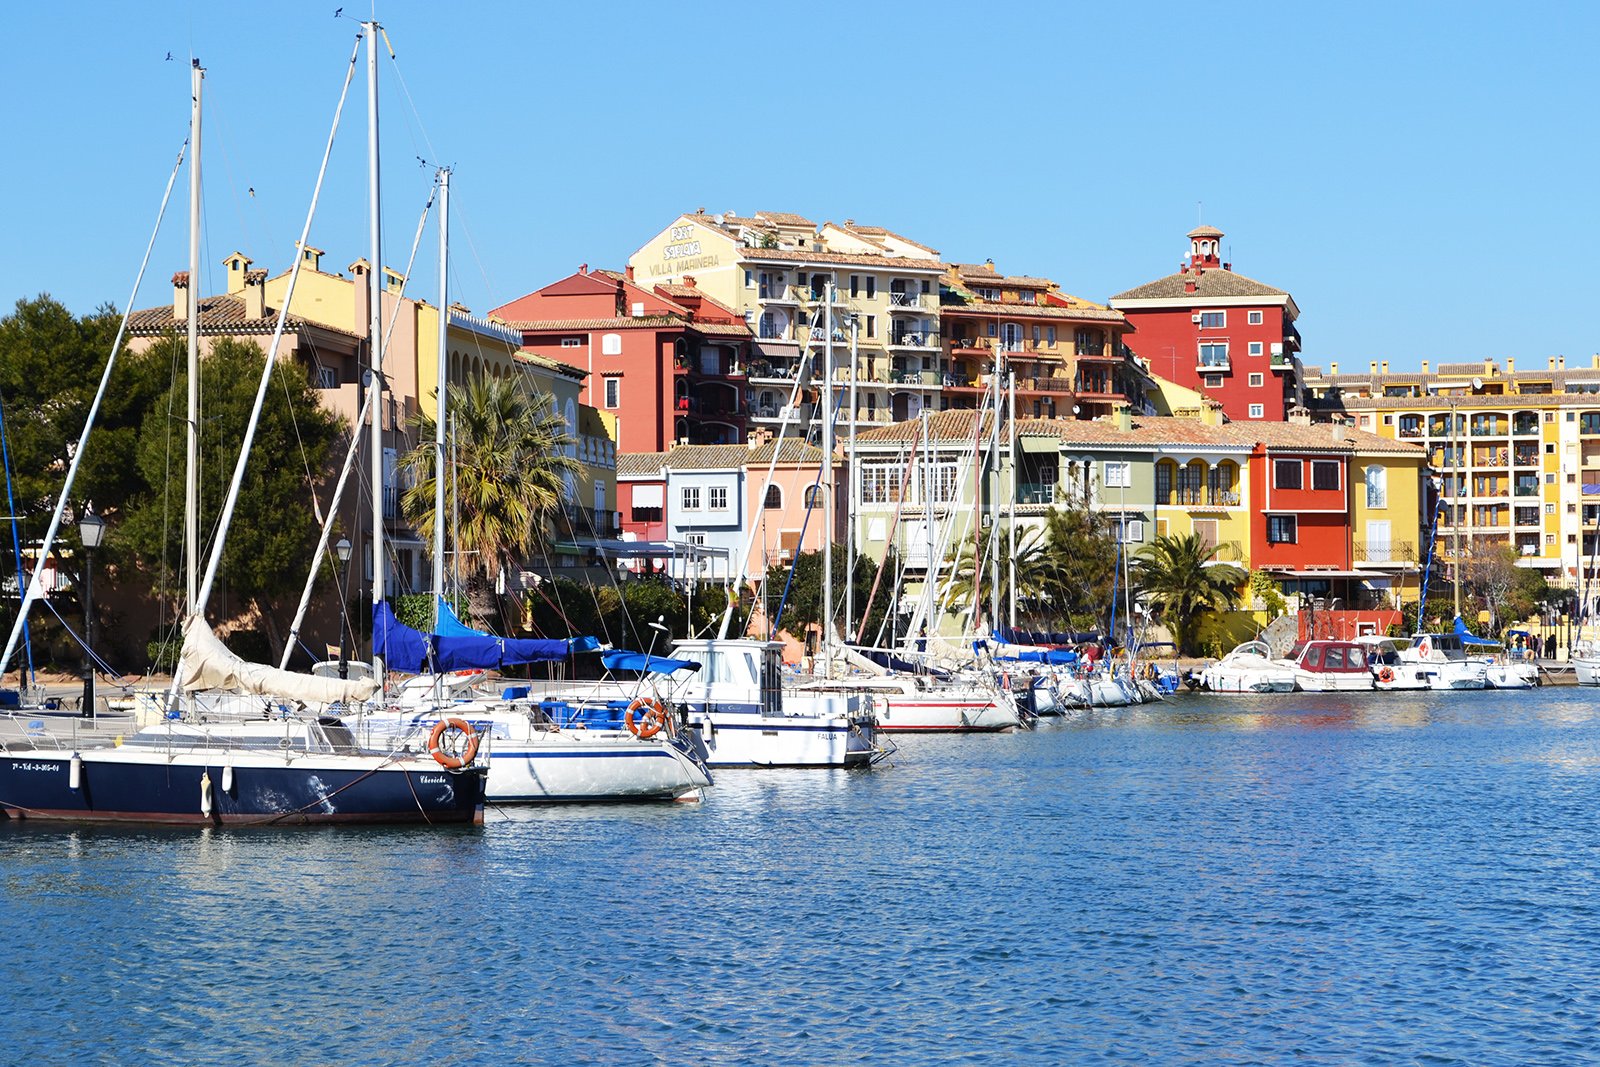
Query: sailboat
[185,773]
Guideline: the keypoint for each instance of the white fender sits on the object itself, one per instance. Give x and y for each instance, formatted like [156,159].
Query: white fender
[227,777]
[205,793]
[75,772]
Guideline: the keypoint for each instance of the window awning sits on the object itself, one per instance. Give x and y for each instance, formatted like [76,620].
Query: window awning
[1293,572]
[649,496]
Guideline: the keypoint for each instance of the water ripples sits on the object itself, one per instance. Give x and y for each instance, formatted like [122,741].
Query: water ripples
[1383,879]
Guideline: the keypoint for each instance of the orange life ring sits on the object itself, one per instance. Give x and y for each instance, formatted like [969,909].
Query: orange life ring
[1385,674]
[651,722]
[444,758]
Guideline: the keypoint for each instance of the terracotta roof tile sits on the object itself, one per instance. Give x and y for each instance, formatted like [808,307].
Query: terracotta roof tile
[573,325]
[641,464]
[1210,283]
[983,307]
[806,255]
[219,315]
[725,457]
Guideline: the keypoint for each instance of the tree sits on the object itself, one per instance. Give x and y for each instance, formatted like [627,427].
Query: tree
[1177,578]
[803,607]
[1079,571]
[1488,575]
[511,458]
[274,529]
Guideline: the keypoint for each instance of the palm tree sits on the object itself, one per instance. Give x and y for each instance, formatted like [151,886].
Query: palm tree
[1178,577]
[1032,570]
[511,457]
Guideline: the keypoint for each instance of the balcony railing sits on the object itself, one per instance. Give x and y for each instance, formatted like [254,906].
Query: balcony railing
[1092,350]
[1045,385]
[960,381]
[970,344]
[1214,365]
[915,377]
[778,293]
[1199,498]
[589,522]
[1385,551]
[906,302]
[1409,432]
[914,339]
[1036,492]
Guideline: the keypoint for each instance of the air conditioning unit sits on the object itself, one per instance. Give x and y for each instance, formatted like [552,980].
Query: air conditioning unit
[1195,319]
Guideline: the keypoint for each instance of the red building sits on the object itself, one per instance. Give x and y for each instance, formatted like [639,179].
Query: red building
[1300,491]
[1205,327]
[668,361]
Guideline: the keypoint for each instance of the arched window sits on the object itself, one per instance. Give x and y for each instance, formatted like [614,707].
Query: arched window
[611,344]
[1378,487]
[813,496]
[774,501]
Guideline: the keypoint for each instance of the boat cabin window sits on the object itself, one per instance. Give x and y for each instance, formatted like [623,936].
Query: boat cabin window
[771,683]
[1314,656]
[1333,659]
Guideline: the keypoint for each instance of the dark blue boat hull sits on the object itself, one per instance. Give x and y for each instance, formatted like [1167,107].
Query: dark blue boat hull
[37,785]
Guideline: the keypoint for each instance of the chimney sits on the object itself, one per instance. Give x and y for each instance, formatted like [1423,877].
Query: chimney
[1386,366]
[1300,415]
[238,265]
[1511,365]
[361,282]
[1561,363]
[627,272]
[1488,368]
[688,279]
[1227,266]
[312,257]
[1211,413]
[394,283]
[622,299]
[583,268]
[1190,285]
[255,294]
[1124,417]
[1424,366]
[1550,363]
[1372,368]
[1333,368]
[180,296]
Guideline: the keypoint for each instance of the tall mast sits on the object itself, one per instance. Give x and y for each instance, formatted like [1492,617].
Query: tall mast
[439,405]
[825,482]
[850,494]
[375,334]
[191,480]
[994,504]
[927,513]
[1011,506]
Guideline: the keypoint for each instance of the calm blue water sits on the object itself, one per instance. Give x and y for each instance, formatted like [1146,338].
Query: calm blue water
[1217,880]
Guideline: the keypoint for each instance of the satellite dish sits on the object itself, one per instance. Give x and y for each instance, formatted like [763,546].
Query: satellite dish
[1477,383]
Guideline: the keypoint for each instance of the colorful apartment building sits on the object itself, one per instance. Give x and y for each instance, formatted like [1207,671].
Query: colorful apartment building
[706,505]
[1517,451]
[1208,328]
[667,360]
[775,270]
[1066,354]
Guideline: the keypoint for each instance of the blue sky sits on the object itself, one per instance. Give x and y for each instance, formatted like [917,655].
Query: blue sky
[1421,177]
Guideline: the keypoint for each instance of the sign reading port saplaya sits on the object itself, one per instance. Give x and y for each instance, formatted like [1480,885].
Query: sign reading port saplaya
[683,252]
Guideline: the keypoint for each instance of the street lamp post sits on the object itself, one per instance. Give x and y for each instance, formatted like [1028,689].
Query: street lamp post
[91,528]
[342,550]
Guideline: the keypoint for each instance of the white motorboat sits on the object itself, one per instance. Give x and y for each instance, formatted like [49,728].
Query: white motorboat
[1389,669]
[1329,667]
[1443,659]
[1249,668]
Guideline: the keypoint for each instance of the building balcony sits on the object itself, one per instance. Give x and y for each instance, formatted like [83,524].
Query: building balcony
[1369,552]
[917,378]
[1281,361]
[1215,366]
[914,339]
[819,334]
[962,381]
[777,294]
[970,345]
[1036,493]
[589,522]
[1096,351]
[907,303]
[1045,385]
[820,296]
[773,370]
[1198,498]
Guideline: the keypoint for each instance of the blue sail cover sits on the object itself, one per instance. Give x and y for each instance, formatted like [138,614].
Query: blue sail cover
[406,649]
[618,660]
[1042,655]
[401,647]
[1466,636]
[1045,637]
[447,624]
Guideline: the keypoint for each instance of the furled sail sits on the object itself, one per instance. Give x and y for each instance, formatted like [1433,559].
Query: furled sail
[207,664]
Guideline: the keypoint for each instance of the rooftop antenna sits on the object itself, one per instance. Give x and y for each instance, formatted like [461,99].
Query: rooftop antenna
[1199,212]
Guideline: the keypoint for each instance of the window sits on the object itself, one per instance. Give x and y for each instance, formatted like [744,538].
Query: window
[927,287]
[813,496]
[1258,411]
[1255,348]
[1377,487]
[1257,380]
[717,498]
[872,325]
[327,378]
[855,285]
[880,483]
[646,514]
[1050,336]
[1282,530]
[613,392]
[1214,355]
[1027,297]
[572,342]
[1119,474]
[774,500]
[691,498]
[1254,318]
[991,295]
[749,279]
[1213,320]
[611,344]
[800,279]
[1127,531]
[695,538]
[872,287]
[1549,509]
[1213,381]
[1324,474]
[1036,334]
[1286,473]
[994,329]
